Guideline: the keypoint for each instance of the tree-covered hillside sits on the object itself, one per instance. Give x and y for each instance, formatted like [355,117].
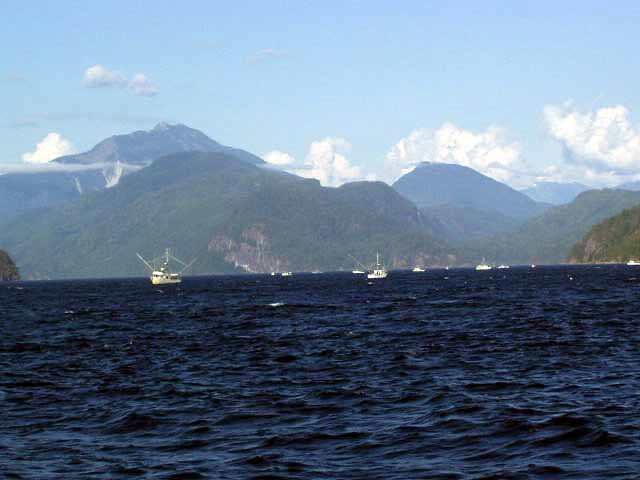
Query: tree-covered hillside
[8,269]
[617,239]
[230,214]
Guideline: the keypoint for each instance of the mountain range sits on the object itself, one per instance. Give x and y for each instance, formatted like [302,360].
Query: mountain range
[231,214]
[235,213]
[102,167]
[549,238]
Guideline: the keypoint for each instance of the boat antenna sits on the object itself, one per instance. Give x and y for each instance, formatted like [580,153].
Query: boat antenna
[145,262]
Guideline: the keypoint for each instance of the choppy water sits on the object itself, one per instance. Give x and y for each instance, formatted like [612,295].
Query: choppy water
[441,375]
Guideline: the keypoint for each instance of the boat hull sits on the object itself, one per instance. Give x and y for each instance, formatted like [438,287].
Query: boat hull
[165,281]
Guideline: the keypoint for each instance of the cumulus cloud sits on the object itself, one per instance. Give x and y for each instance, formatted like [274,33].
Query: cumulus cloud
[601,145]
[325,161]
[52,146]
[276,157]
[142,86]
[487,152]
[99,76]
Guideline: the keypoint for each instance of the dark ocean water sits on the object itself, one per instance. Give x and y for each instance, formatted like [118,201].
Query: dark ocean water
[441,375]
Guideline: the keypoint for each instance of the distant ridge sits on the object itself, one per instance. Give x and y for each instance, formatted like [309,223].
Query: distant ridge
[103,166]
[439,184]
[555,193]
[549,237]
[143,146]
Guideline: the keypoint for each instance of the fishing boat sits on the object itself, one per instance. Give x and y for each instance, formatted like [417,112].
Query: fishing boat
[633,262]
[358,272]
[286,274]
[417,269]
[501,267]
[160,268]
[379,271]
[483,266]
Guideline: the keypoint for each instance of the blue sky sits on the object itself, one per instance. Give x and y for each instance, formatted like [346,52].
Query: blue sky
[269,76]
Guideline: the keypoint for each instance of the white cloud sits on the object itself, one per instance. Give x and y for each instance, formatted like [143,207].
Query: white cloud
[99,76]
[142,86]
[326,161]
[601,146]
[111,172]
[52,146]
[276,157]
[487,152]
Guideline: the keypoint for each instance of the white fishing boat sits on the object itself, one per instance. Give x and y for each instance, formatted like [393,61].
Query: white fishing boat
[483,266]
[417,269]
[286,274]
[160,268]
[633,262]
[379,271]
[502,267]
[358,272]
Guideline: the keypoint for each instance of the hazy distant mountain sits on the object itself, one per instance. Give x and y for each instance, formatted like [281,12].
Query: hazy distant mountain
[8,269]
[439,184]
[457,224]
[549,237]
[232,215]
[555,193]
[20,192]
[142,147]
[103,166]
[617,239]
[633,186]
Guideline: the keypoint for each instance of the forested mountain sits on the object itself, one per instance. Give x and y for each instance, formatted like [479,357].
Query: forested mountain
[231,214]
[617,239]
[549,237]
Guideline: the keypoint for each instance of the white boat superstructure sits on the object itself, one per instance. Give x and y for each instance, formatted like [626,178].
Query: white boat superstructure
[286,274]
[358,272]
[502,267]
[379,271]
[161,273]
[483,266]
[633,262]
[417,269]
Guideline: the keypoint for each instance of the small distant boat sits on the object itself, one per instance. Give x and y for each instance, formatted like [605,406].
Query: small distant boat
[161,273]
[379,271]
[357,272]
[417,269]
[633,262]
[483,266]
[316,272]
[273,274]
[533,265]
[286,274]
[503,266]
